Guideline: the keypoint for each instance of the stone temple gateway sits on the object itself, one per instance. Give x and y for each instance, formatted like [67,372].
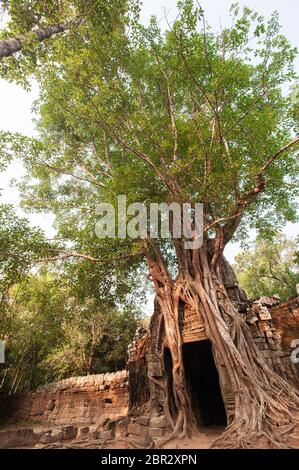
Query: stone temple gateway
[130,404]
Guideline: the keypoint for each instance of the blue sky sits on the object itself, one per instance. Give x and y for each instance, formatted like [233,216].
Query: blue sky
[15,103]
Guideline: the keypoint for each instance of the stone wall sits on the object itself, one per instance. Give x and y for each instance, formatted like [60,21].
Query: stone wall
[77,400]
[274,326]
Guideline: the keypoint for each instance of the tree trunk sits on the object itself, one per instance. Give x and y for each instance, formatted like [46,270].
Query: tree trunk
[10,46]
[264,404]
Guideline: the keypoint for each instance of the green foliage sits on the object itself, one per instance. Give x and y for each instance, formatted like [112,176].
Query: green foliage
[269,267]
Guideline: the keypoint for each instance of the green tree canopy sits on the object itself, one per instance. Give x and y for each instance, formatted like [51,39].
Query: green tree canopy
[182,115]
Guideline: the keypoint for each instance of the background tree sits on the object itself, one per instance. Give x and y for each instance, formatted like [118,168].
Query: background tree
[92,342]
[54,334]
[269,267]
[185,115]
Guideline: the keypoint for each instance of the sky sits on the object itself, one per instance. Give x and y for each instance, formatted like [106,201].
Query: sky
[16,104]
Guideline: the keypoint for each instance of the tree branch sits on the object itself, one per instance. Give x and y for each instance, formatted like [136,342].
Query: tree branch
[63,255]
[277,154]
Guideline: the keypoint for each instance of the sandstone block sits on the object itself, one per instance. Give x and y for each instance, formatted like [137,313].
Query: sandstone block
[133,428]
[264,314]
[121,427]
[51,436]
[83,431]
[69,432]
[269,301]
[45,437]
[16,438]
[158,422]
[105,434]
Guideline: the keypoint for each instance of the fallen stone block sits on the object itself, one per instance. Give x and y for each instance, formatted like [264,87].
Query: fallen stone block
[269,301]
[121,427]
[17,438]
[134,428]
[50,437]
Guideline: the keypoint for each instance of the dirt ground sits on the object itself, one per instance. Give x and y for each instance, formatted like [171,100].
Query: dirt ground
[202,439]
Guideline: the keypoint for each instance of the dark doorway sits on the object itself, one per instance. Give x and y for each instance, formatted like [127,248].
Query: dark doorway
[203,383]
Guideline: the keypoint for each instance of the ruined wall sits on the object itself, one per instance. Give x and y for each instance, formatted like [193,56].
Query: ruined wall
[77,400]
